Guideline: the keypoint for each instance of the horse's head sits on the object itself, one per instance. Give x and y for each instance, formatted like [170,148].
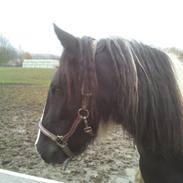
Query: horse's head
[76,102]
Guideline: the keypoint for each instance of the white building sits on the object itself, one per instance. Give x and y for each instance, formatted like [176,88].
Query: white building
[40,63]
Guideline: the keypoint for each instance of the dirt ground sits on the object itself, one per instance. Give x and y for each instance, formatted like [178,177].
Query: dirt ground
[112,160]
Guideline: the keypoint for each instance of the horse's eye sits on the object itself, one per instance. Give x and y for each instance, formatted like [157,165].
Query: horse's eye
[56,91]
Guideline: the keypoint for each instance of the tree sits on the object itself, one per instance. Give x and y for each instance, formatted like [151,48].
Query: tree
[176,51]
[26,55]
[7,52]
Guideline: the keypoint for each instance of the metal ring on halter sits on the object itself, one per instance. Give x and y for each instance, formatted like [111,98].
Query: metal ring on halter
[83,113]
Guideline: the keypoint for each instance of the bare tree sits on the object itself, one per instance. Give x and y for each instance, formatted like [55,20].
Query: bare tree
[178,52]
[7,52]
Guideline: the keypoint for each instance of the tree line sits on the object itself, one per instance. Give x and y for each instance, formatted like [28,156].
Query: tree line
[176,51]
[9,56]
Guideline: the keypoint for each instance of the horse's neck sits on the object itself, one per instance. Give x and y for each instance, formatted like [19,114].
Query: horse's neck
[105,129]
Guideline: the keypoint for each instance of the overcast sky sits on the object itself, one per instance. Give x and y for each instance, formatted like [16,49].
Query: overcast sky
[28,23]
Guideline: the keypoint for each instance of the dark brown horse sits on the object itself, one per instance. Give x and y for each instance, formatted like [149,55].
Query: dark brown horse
[116,80]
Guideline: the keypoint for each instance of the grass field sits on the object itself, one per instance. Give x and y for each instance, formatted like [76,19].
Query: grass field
[16,75]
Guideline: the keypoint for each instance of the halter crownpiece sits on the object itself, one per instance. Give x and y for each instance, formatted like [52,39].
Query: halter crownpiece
[82,116]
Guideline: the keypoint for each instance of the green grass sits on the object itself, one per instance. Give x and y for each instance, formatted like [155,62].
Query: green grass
[25,76]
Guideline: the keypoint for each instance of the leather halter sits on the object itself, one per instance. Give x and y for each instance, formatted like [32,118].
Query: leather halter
[82,116]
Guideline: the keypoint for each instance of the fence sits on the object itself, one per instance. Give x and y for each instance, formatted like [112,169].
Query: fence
[40,63]
[14,177]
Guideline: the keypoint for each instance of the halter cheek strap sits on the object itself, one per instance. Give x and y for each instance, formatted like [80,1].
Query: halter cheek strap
[82,116]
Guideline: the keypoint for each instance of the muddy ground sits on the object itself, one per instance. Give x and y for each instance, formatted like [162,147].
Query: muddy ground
[112,159]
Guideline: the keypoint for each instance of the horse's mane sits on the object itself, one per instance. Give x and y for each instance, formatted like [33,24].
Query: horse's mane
[149,103]
[149,100]
[80,69]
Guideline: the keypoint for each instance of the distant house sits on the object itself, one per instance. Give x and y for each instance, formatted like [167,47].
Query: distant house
[40,63]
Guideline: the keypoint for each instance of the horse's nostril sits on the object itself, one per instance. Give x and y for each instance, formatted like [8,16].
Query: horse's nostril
[45,155]
[53,157]
[45,159]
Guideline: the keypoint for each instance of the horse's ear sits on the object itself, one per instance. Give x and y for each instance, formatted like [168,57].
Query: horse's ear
[67,40]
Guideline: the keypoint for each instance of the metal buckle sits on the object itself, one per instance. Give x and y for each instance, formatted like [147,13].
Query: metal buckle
[85,93]
[60,141]
[88,130]
[64,146]
[83,113]
[88,94]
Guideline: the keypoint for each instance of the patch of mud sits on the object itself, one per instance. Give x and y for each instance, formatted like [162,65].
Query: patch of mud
[111,160]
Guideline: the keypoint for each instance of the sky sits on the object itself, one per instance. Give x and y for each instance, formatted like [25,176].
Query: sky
[27,24]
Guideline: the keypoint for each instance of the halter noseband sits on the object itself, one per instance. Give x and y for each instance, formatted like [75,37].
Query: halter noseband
[82,115]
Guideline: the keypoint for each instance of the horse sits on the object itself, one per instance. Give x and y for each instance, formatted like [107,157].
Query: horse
[115,81]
